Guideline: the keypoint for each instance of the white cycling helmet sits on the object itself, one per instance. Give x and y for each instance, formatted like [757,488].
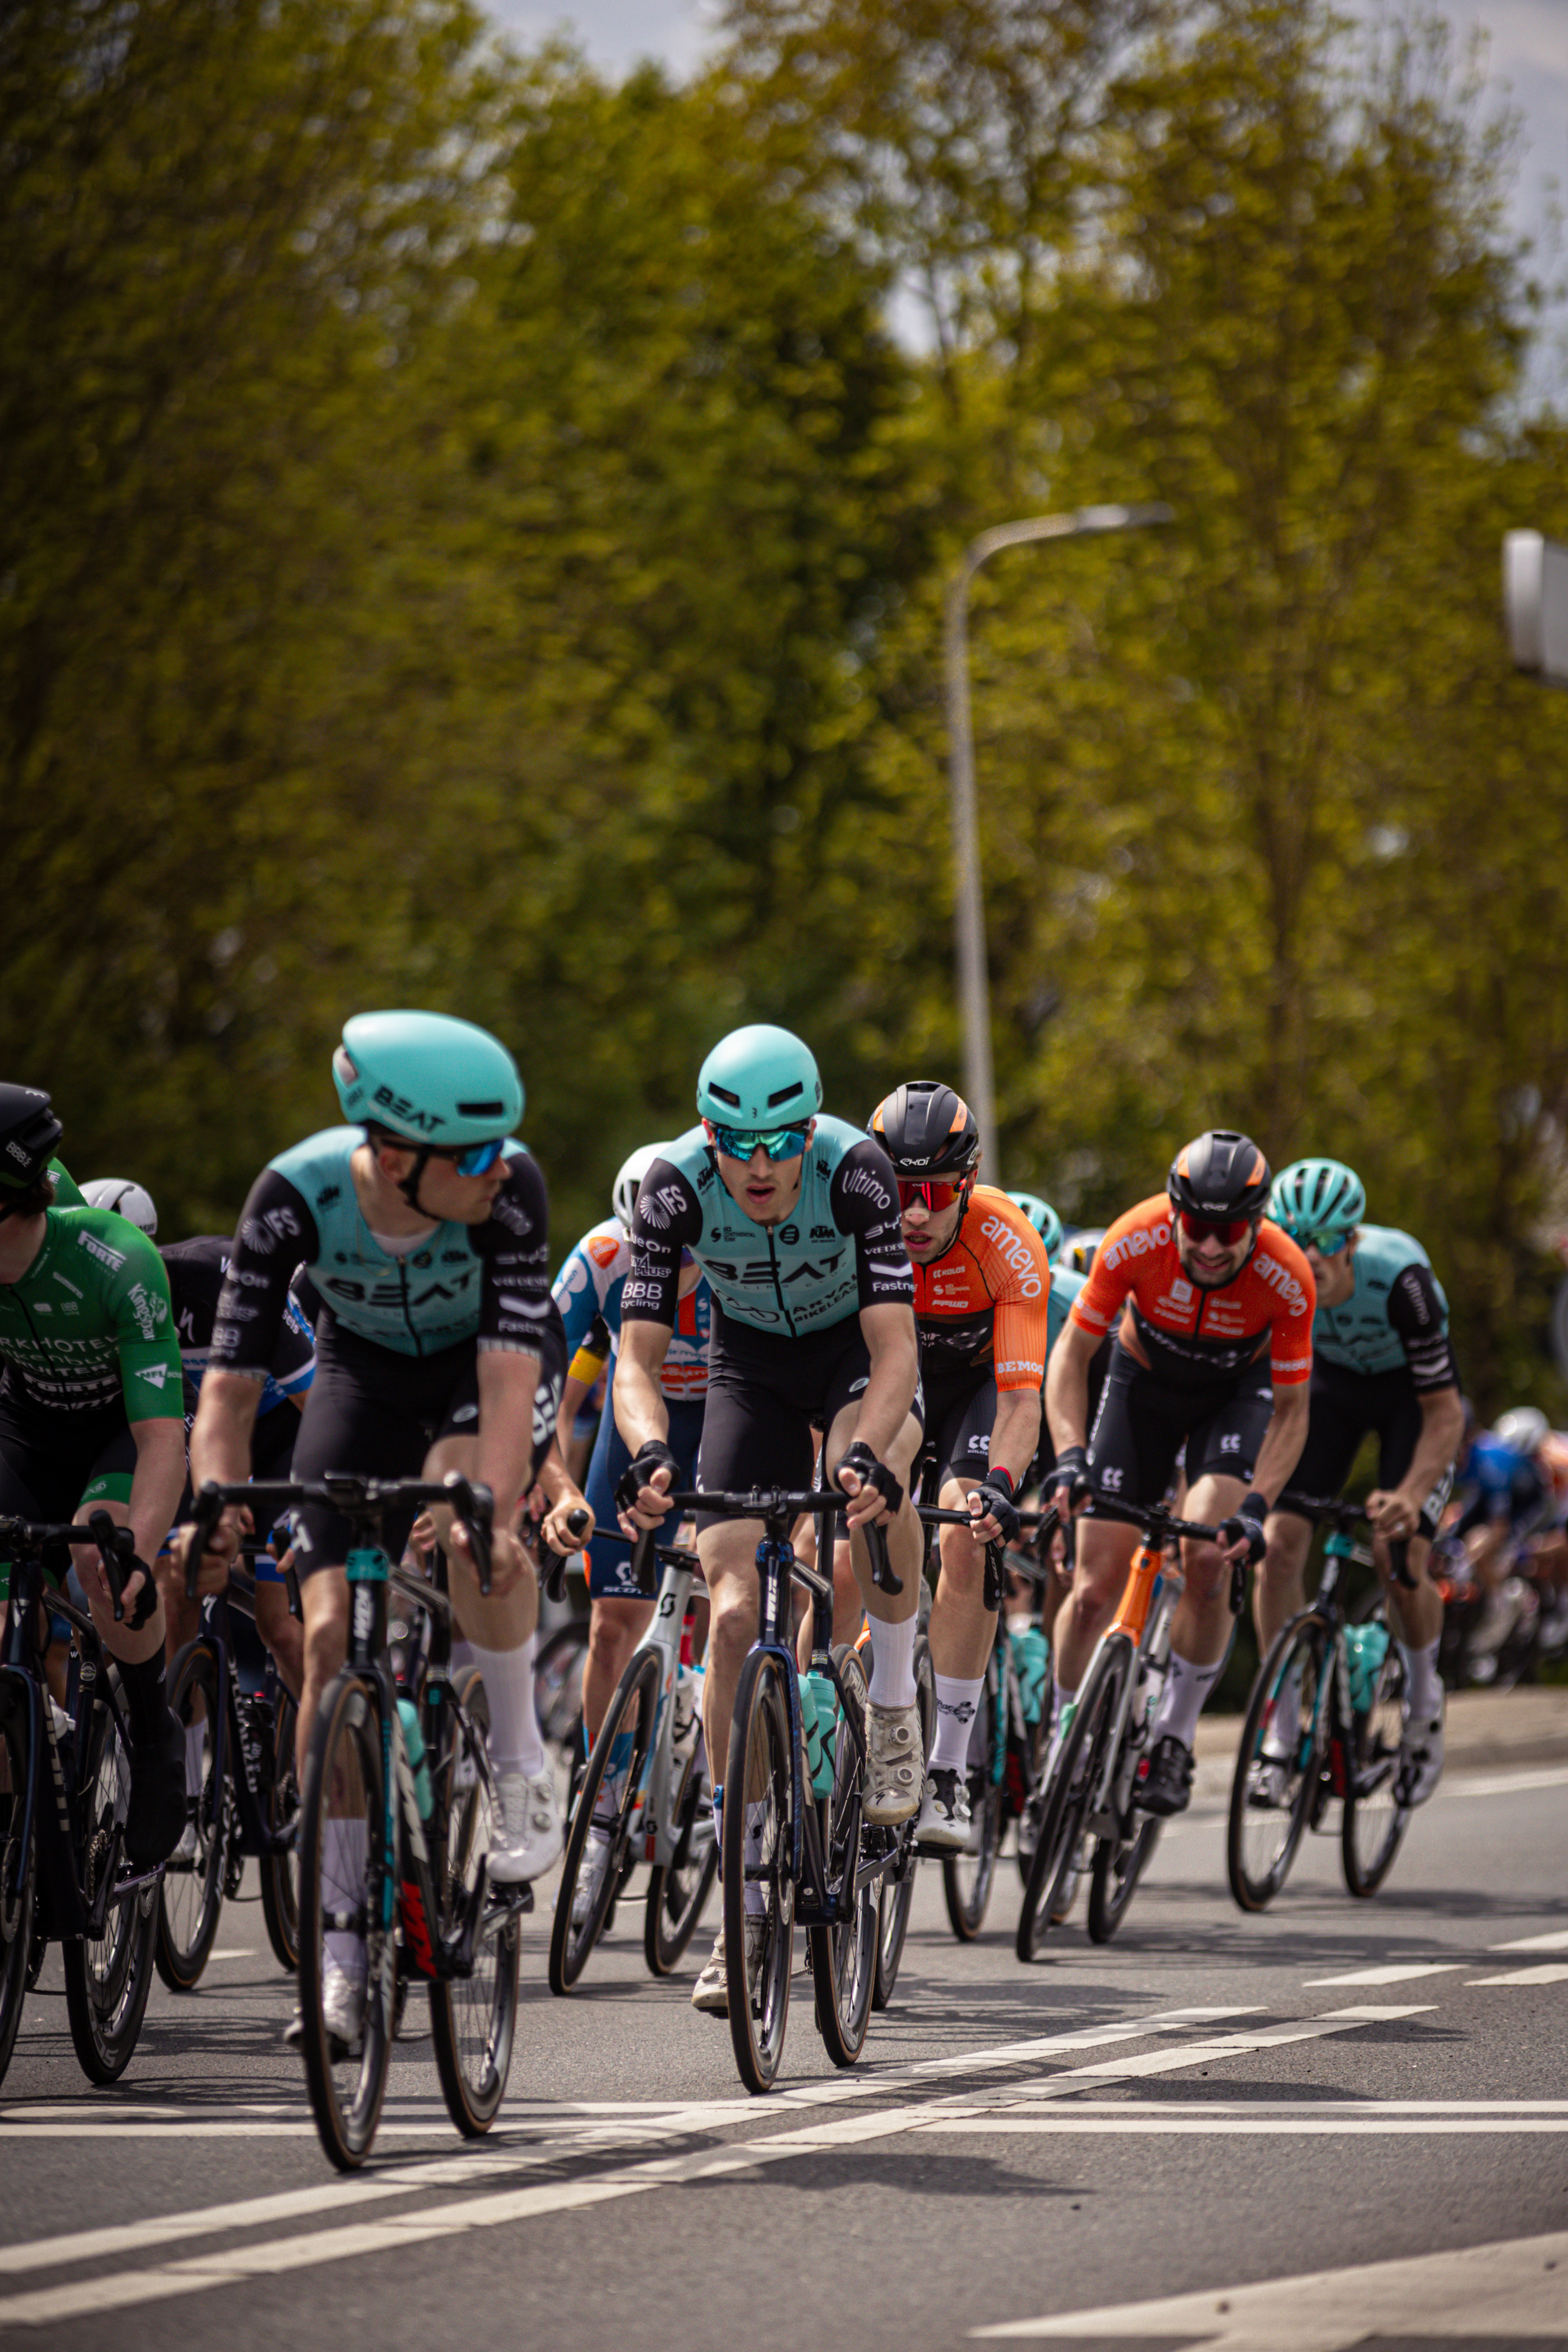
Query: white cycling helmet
[1523,1429]
[624,1199]
[131,1202]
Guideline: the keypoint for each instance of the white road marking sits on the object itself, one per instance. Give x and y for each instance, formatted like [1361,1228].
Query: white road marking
[1504,1784]
[1395,1972]
[1554,1940]
[236,1952]
[1550,1972]
[1514,2287]
[1155,2123]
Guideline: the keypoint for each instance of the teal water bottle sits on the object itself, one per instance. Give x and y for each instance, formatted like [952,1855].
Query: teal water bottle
[1366,1646]
[819,1721]
[414,1741]
[1031,1656]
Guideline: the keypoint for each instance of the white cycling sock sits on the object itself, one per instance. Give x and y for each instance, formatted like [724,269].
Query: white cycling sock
[752,1847]
[462,1655]
[1182,1700]
[342,1881]
[196,1753]
[515,1742]
[893,1662]
[957,1703]
[1423,1683]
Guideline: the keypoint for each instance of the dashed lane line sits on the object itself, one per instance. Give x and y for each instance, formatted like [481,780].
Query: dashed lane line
[1554,1940]
[1392,1972]
[1550,1972]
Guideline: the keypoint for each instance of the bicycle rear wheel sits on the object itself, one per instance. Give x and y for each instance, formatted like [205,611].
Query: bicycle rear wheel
[280,1873]
[678,1891]
[108,1976]
[628,1728]
[190,1898]
[473,2017]
[843,1957]
[757,1853]
[1373,1822]
[1080,1769]
[1119,1864]
[967,1878]
[896,1892]
[558,1700]
[19,1883]
[344,1896]
[1279,1762]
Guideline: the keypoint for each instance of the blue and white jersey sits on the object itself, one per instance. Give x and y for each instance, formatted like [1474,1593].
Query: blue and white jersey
[588,1291]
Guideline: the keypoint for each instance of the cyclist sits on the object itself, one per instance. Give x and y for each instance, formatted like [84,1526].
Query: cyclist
[424,1226]
[1212,1307]
[1045,1221]
[588,1292]
[1381,1362]
[794,1218]
[1509,1504]
[90,1417]
[982,1281]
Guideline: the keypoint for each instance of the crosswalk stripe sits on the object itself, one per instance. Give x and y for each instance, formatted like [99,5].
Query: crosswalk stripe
[1550,1972]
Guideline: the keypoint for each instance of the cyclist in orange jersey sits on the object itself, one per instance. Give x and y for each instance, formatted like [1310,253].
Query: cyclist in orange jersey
[1212,1307]
[982,1290]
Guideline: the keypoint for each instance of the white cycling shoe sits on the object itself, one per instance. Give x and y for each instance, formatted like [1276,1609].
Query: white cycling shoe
[946,1821]
[591,1872]
[343,2009]
[526,1833]
[1420,1760]
[895,1768]
[711,1991]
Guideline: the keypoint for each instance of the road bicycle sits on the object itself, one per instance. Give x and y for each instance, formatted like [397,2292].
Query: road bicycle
[1092,1779]
[649,1752]
[246,1799]
[65,1787]
[796,1841]
[1324,1720]
[395,1824]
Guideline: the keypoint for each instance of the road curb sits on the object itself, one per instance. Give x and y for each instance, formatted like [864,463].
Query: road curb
[1485,1729]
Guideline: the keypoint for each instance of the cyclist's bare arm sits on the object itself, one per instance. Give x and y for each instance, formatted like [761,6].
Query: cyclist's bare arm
[156,1482]
[641,1414]
[894,1347]
[508,1379]
[1015,1431]
[1066,1386]
[565,1496]
[220,1450]
[1283,1440]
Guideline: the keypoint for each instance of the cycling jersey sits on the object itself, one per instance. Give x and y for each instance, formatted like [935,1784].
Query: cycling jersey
[1396,1314]
[1065,1287]
[588,1292]
[196,1269]
[488,1280]
[89,1325]
[840,1249]
[1173,1326]
[68,1193]
[1505,1488]
[983,1301]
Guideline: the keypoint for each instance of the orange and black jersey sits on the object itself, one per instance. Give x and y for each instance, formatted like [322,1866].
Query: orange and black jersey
[1187,1333]
[983,1302]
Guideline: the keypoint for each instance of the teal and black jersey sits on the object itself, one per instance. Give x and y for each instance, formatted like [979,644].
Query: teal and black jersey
[1396,1316]
[1065,1284]
[491,1281]
[840,1249]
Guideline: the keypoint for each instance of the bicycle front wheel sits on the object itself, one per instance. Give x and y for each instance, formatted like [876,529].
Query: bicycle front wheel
[599,1853]
[279,1871]
[755,1860]
[18,1880]
[896,1892]
[1373,1822]
[190,1899]
[967,1878]
[843,1957]
[108,1976]
[473,2017]
[346,1915]
[678,1891]
[1279,1762]
[1082,1765]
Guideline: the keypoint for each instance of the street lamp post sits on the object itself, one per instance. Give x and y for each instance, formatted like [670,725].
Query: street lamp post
[969,912]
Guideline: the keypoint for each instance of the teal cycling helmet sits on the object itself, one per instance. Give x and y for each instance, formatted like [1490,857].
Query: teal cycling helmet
[757,1078]
[1317,1196]
[1045,1221]
[426,1079]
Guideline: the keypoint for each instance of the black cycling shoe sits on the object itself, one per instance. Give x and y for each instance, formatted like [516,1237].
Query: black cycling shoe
[156,1817]
[1165,1784]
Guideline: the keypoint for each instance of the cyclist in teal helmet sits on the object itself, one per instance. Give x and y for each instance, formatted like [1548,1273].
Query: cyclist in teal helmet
[425,1228]
[794,1218]
[1045,1221]
[1381,1363]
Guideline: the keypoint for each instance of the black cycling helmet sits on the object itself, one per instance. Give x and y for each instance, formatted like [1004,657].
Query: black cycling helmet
[28,1134]
[1220,1174]
[926,1130]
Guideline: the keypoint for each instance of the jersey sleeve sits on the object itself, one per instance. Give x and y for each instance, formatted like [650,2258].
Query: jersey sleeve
[1293,1301]
[276,1231]
[1020,1276]
[149,1344]
[515,1305]
[294,1358]
[1104,1293]
[1416,1313]
[576,1293]
[863,1197]
[668,1218]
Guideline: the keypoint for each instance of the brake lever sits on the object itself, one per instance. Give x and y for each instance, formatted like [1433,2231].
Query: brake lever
[1399,1561]
[995,1582]
[553,1580]
[114,1544]
[882,1575]
[205,1518]
[475,1509]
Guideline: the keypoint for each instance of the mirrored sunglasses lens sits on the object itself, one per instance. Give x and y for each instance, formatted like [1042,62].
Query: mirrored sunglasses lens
[480,1160]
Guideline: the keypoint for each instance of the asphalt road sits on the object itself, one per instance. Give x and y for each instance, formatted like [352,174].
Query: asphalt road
[1147,2143]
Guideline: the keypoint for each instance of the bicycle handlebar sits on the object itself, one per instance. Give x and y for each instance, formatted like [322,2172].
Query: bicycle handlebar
[1333,1510]
[360,1500]
[553,1580]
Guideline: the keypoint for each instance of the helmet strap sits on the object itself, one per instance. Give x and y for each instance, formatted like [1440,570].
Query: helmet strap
[409,1185]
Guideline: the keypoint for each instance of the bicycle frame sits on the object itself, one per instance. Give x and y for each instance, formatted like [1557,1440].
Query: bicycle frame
[663,1636]
[1142,1618]
[256,1836]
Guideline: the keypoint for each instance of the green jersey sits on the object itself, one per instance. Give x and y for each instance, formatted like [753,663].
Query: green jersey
[89,1323]
[68,1193]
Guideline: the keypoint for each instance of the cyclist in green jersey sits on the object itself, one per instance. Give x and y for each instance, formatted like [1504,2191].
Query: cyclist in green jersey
[91,1416]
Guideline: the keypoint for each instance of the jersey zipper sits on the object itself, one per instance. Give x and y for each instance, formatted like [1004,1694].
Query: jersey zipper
[407,1317]
[778,1287]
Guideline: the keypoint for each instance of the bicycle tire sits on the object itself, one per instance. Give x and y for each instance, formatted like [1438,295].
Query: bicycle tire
[346,2090]
[677,1890]
[280,1873]
[635,1710]
[1077,1770]
[558,1697]
[190,1895]
[760,1762]
[1373,1822]
[843,1957]
[1119,1864]
[18,1890]
[473,2019]
[109,1977]
[967,1878]
[896,1892]
[1258,1859]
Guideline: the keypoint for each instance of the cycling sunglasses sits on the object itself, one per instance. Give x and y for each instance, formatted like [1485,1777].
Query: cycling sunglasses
[936,1193]
[475,1160]
[778,1142]
[1327,1243]
[1228,1229]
